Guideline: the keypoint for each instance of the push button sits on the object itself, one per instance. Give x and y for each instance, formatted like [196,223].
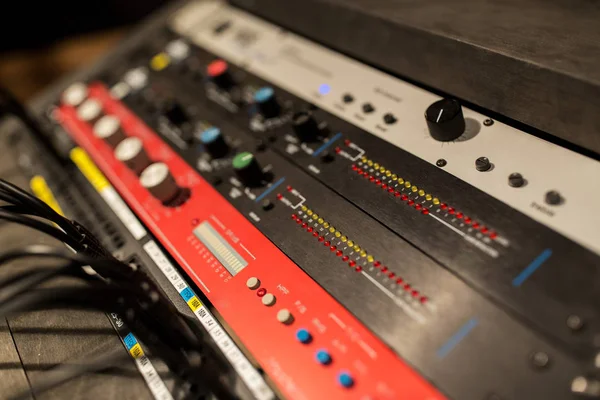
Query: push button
[303,336]
[253,283]
[323,357]
[285,316]
[268,299]
[345,379]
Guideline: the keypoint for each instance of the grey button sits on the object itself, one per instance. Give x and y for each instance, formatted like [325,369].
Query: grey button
[253,283]
[268,299]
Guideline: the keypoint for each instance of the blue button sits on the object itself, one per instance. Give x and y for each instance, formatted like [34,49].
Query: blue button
[303,336]
[264,94]
[210,135]
[345,379]
[323,357]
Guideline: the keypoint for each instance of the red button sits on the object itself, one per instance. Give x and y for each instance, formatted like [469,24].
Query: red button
[261,292]
[216,68]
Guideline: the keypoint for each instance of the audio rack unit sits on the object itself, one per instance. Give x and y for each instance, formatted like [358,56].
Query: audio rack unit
[345,234]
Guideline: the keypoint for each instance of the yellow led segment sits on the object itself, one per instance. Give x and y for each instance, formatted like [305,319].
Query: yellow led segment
[388,173]
[304,208]
[309,212]
[436,201]
[343,239]
[400,181]
[414,188]
[428,197]
[376,165]
[315,216]
[382,170]
[370,163]
[357,248]
[364,159]
[320,220]
[326,225]
[407,184]
[363,253]
[421,192]
[338,234]
[332,229]
[160,61]
[350,243]
[370,258]
[394,176]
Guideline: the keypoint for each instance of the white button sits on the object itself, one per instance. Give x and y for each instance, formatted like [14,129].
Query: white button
[75,94]
[90,110]
[285,316]
[136,78]
[178,49]
[268,299]
[253,283]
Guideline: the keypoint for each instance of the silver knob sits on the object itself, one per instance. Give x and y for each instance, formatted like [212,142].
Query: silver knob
[158,180]
[75,94]
[90,111]
[108,128]
[131,152]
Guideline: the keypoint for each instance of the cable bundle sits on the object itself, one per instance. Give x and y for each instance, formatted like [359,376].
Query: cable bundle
[108,285]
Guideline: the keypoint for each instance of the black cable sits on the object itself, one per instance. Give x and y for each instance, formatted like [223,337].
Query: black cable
[42,227]
[14,195]
[67,371]
[110,267]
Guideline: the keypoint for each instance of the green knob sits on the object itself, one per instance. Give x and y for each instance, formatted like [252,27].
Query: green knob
[247,169]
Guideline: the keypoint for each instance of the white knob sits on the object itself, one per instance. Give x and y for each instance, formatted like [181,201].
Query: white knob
[108,128]
[75,94]
[90,111]
[131,152]
[158,180]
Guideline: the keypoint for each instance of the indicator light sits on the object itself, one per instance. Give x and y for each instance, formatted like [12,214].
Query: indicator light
[324,89]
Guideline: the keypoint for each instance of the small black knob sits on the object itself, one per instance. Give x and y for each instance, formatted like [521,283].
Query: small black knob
[445,120]
[305,126]
[218,72]
[247,169]
[553,198]
[175,113]
[516,180]
[214,142]
[266,102]
[483,164]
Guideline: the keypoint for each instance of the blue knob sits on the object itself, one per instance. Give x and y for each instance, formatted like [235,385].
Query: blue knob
[267,103]
[303,336]
[323,357]
[210,135]
[345,379]
[264,94]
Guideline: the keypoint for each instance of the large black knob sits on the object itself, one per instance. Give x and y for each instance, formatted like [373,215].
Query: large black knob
[214,142]
[267,103]
[305,126]
[445,120]
[247,169]
[218,72]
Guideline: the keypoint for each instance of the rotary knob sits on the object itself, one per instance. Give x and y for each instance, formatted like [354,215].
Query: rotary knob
[266,102]
[214,142]
[445,120]
[158,180]
[131,152]
[75,94]
[90,111]
[108,128]
[218,72]
[305,126]
[247,169]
